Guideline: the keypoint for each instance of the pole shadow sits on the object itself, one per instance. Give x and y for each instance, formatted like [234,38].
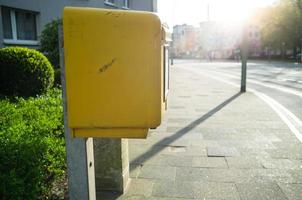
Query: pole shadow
[160,145]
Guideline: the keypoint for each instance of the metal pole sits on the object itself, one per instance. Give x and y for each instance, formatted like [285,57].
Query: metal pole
[244,53]
[300,51]
[79,151]
[269,54]
[283,51]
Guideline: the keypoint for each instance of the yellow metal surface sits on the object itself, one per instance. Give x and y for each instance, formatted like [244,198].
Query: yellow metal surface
[113,72]
[112,132]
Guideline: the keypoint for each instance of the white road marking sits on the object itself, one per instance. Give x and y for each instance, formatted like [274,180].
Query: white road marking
[280,88]
[292,121]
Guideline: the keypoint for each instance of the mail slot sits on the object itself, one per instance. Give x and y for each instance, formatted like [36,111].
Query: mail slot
[113,71]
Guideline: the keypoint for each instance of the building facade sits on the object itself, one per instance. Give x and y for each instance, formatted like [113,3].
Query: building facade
[215,40]
[254,39]
[184,41]
[22,21]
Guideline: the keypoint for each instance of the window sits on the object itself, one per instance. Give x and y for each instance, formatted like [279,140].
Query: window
[126,4]
[19,26]
[110,2]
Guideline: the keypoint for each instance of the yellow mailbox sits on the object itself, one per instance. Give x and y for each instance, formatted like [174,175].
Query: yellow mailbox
[113,71]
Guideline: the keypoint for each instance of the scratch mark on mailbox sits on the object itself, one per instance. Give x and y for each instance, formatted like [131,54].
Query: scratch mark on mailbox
[106,66]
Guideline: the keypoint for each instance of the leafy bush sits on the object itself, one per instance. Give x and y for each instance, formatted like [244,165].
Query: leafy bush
[50,43]
[57,81]
[24,72]
[32,149]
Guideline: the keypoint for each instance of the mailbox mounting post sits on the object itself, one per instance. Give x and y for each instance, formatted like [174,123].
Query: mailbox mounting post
[79,151]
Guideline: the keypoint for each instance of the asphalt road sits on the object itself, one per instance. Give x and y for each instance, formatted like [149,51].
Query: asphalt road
[281,81]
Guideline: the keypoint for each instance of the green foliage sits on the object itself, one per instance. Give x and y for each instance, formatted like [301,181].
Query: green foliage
[281,24]
[57,81]
[32,149]
[49,42]
[24,72]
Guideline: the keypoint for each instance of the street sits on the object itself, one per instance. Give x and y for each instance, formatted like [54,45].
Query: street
[281,81]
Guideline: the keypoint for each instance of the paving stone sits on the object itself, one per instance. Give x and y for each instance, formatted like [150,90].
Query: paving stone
[222,152]
[134,170]
[132,197]
[172,189]
[295,177]
[177,149]
[260,191]
[292,191]
[180,120]
[205,143]
[177,161]
[175,140]
[147,161]
[217,191]
[189,151]
[189,174]
[157,172]
[177,107]
[243,162]
[286,153]
[253,153]
[141,187]
[219,175]
[166,198]
[209,162]
[282,163]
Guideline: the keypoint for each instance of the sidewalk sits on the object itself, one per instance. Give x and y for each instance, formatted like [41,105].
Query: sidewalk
[215,143]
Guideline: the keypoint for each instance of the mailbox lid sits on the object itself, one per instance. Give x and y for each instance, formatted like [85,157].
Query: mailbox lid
[112,68]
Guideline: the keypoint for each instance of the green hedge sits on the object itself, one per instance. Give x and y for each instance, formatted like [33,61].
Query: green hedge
[32,149]
[49,42]
[24,72]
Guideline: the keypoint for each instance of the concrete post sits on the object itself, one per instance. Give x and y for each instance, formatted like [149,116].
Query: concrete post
[111,164]
[80,159]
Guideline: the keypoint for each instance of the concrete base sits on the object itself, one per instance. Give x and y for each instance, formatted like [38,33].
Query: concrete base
[111,164]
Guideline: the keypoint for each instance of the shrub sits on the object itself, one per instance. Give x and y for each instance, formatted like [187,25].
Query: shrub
[57,81]
[32,149]
[50,43]
[24,72]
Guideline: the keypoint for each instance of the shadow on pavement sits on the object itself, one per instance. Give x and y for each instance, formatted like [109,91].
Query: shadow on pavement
[159,146]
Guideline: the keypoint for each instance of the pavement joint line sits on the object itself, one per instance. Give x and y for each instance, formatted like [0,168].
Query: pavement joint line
[286,90]
[286,116]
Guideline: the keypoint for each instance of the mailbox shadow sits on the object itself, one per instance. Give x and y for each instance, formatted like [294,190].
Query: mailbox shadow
[159,146]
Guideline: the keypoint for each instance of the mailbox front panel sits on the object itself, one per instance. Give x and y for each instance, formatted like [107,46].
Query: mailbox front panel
[112,68]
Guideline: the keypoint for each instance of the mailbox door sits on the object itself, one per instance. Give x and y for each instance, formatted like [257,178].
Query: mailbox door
[113,69]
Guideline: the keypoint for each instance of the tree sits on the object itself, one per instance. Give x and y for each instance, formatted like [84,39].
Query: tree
[281,25]
[50,43]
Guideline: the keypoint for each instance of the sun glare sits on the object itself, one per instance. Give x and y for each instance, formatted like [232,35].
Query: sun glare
[194,11]
[230,11]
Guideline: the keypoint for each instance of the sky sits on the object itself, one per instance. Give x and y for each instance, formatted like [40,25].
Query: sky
[194,11]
